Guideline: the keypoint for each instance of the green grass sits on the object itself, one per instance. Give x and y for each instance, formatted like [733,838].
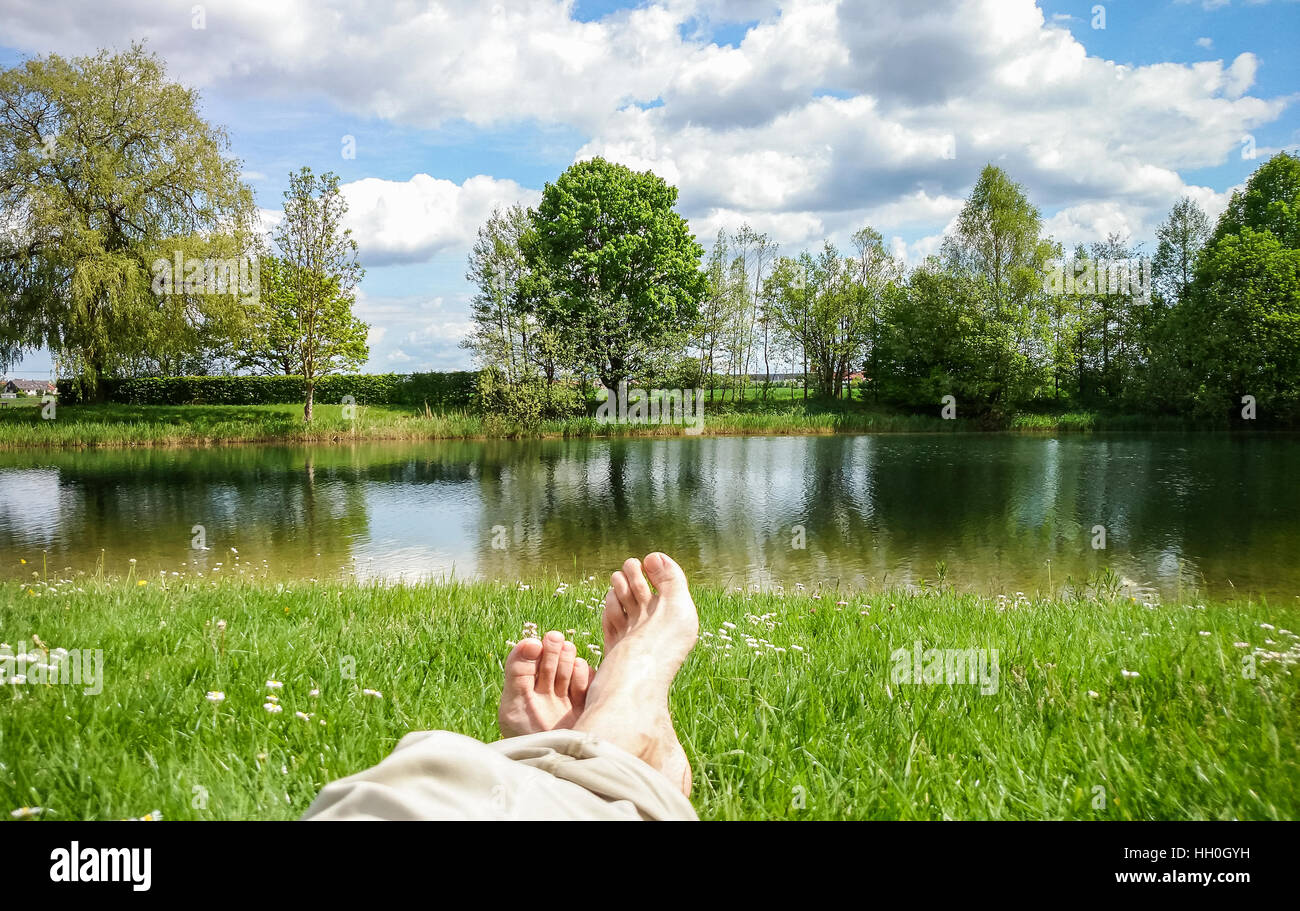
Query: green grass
[190,425]
[821,733]
[114,425]
[117,426]
[1083,421]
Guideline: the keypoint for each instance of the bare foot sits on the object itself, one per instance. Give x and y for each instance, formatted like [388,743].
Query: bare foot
[546,686]
[648,635]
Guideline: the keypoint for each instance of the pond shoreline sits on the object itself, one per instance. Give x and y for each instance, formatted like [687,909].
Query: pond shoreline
[115,426]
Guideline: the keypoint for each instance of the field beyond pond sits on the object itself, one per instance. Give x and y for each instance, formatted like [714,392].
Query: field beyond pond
[1101,709]
[117,425]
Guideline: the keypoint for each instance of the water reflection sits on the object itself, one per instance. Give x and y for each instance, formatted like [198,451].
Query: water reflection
[1213,510]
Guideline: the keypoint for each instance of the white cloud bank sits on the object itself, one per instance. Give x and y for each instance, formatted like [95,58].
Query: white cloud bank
[825,115]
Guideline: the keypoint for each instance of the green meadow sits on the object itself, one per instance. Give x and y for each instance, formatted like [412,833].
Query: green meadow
[118,425]
[789,708]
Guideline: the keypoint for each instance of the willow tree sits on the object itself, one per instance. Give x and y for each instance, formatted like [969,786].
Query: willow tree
[107,170]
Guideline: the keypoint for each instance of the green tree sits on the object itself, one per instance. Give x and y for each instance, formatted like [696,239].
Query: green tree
[270,346]
[939,339]
[752,256]
[1115,315]
[997,242]
[716,311]
[827,306]
[621,267]
[1270,201]
[503,329]
[309,293]
[1178,241]
[873,271]
[1242,324]
[1237,331]
[106,169]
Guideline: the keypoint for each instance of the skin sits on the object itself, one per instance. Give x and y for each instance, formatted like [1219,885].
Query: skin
[648,632]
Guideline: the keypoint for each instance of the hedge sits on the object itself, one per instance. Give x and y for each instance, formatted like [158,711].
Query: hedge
[441,390]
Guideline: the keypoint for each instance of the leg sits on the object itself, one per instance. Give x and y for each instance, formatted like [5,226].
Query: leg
[620,760]
[549,775]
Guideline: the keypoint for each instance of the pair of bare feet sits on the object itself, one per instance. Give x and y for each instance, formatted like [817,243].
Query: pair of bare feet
[648,634]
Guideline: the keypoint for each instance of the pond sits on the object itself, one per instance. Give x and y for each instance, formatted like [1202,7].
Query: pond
[995,513]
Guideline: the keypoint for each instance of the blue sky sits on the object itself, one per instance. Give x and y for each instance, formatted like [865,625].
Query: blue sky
[806,118]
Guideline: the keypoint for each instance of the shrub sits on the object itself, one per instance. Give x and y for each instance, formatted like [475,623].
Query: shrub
[453,390]
[528,401]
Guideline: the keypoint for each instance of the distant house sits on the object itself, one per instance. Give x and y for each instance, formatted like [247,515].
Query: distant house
[28,387]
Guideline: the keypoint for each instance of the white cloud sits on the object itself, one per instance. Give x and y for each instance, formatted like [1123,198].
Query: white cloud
[411,62]
[414,332]
[1092,222]
[934,106]
[915,253]
[825,113]
[793,231]
[413,220]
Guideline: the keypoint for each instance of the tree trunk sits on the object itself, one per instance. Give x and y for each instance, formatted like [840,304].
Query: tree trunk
[307,408]
[767,367]
[98,388]
[709,368]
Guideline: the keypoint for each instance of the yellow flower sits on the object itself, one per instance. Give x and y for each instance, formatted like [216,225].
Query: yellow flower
[142,582]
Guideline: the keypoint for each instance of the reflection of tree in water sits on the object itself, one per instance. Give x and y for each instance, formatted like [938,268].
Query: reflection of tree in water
[1228,511]
[282,504]
[723,506]
[995,508]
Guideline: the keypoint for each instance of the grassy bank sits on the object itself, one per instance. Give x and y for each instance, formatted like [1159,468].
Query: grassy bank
[202,425]
[772,731]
